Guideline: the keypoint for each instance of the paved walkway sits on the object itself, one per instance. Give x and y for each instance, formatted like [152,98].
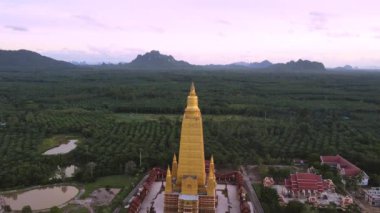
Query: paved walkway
[154,198]
[85,203]
[251,192]
[364,207]
[230,203]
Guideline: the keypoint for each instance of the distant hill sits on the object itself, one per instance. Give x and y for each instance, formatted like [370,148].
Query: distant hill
[300,65]
[345,68]
[238,66]
[155,60]
[255,65]
[292,66]
[28,60]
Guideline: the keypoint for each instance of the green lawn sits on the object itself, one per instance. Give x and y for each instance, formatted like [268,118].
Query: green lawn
[115,181]
[56,140]
[72,208]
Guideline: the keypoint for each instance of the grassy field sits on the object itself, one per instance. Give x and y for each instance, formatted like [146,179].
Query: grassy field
[114,181]
[71,208]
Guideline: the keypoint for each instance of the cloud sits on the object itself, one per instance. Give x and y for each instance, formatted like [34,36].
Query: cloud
[318,21]
[156,29]
[223,22]
[91,21]
[376,31]
[16,28]
[342,35]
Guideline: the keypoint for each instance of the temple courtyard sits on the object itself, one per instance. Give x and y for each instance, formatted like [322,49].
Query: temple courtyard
[329,197]
[228,198]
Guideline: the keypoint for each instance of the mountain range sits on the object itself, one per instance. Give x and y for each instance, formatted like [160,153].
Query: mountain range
[25,59]
[153,60]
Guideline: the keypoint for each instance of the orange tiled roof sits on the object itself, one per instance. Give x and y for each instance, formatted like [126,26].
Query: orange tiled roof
[305,181]
[347,167]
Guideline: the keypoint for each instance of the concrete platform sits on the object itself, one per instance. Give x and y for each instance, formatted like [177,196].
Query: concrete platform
[154,198]
[230,202]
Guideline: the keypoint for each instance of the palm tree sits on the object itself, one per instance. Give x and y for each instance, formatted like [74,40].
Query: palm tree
[91,165]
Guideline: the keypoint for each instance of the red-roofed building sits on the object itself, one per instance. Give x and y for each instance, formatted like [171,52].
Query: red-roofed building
[344,167]
[305,184]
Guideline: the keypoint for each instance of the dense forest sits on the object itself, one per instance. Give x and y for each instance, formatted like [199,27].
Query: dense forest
[249,118]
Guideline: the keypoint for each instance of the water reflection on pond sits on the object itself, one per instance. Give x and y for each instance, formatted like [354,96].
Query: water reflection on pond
[63,148]
[42,198]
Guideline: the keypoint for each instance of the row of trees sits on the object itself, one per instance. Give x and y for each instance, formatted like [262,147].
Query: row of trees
[295,116]
[110,144]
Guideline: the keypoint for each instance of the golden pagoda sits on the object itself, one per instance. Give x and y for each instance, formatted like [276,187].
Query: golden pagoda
[188,188]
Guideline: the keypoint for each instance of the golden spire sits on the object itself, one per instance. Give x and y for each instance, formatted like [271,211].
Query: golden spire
[168,173]
[212,166]
[211,183]
[174,167]
[192,109]
[192,90]
[191,158]
[211,173]
[168,186]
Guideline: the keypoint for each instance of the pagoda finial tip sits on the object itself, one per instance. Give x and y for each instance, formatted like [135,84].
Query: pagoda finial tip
[192,89]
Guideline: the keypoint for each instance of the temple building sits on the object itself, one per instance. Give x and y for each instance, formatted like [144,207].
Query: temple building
[188,187]
[190,183]
[345,168]
[306,184]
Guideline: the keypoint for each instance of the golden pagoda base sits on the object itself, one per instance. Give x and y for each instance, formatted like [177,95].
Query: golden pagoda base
[177,203]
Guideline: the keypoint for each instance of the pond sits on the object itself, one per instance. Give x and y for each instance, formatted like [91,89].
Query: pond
[41,198]
[62,149]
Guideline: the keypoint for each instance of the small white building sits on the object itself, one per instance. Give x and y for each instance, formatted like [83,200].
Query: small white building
[372,196]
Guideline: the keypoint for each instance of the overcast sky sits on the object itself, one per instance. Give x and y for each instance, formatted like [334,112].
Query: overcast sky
[335,32]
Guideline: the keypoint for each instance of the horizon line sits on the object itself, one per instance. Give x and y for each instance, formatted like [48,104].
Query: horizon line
[86,62]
